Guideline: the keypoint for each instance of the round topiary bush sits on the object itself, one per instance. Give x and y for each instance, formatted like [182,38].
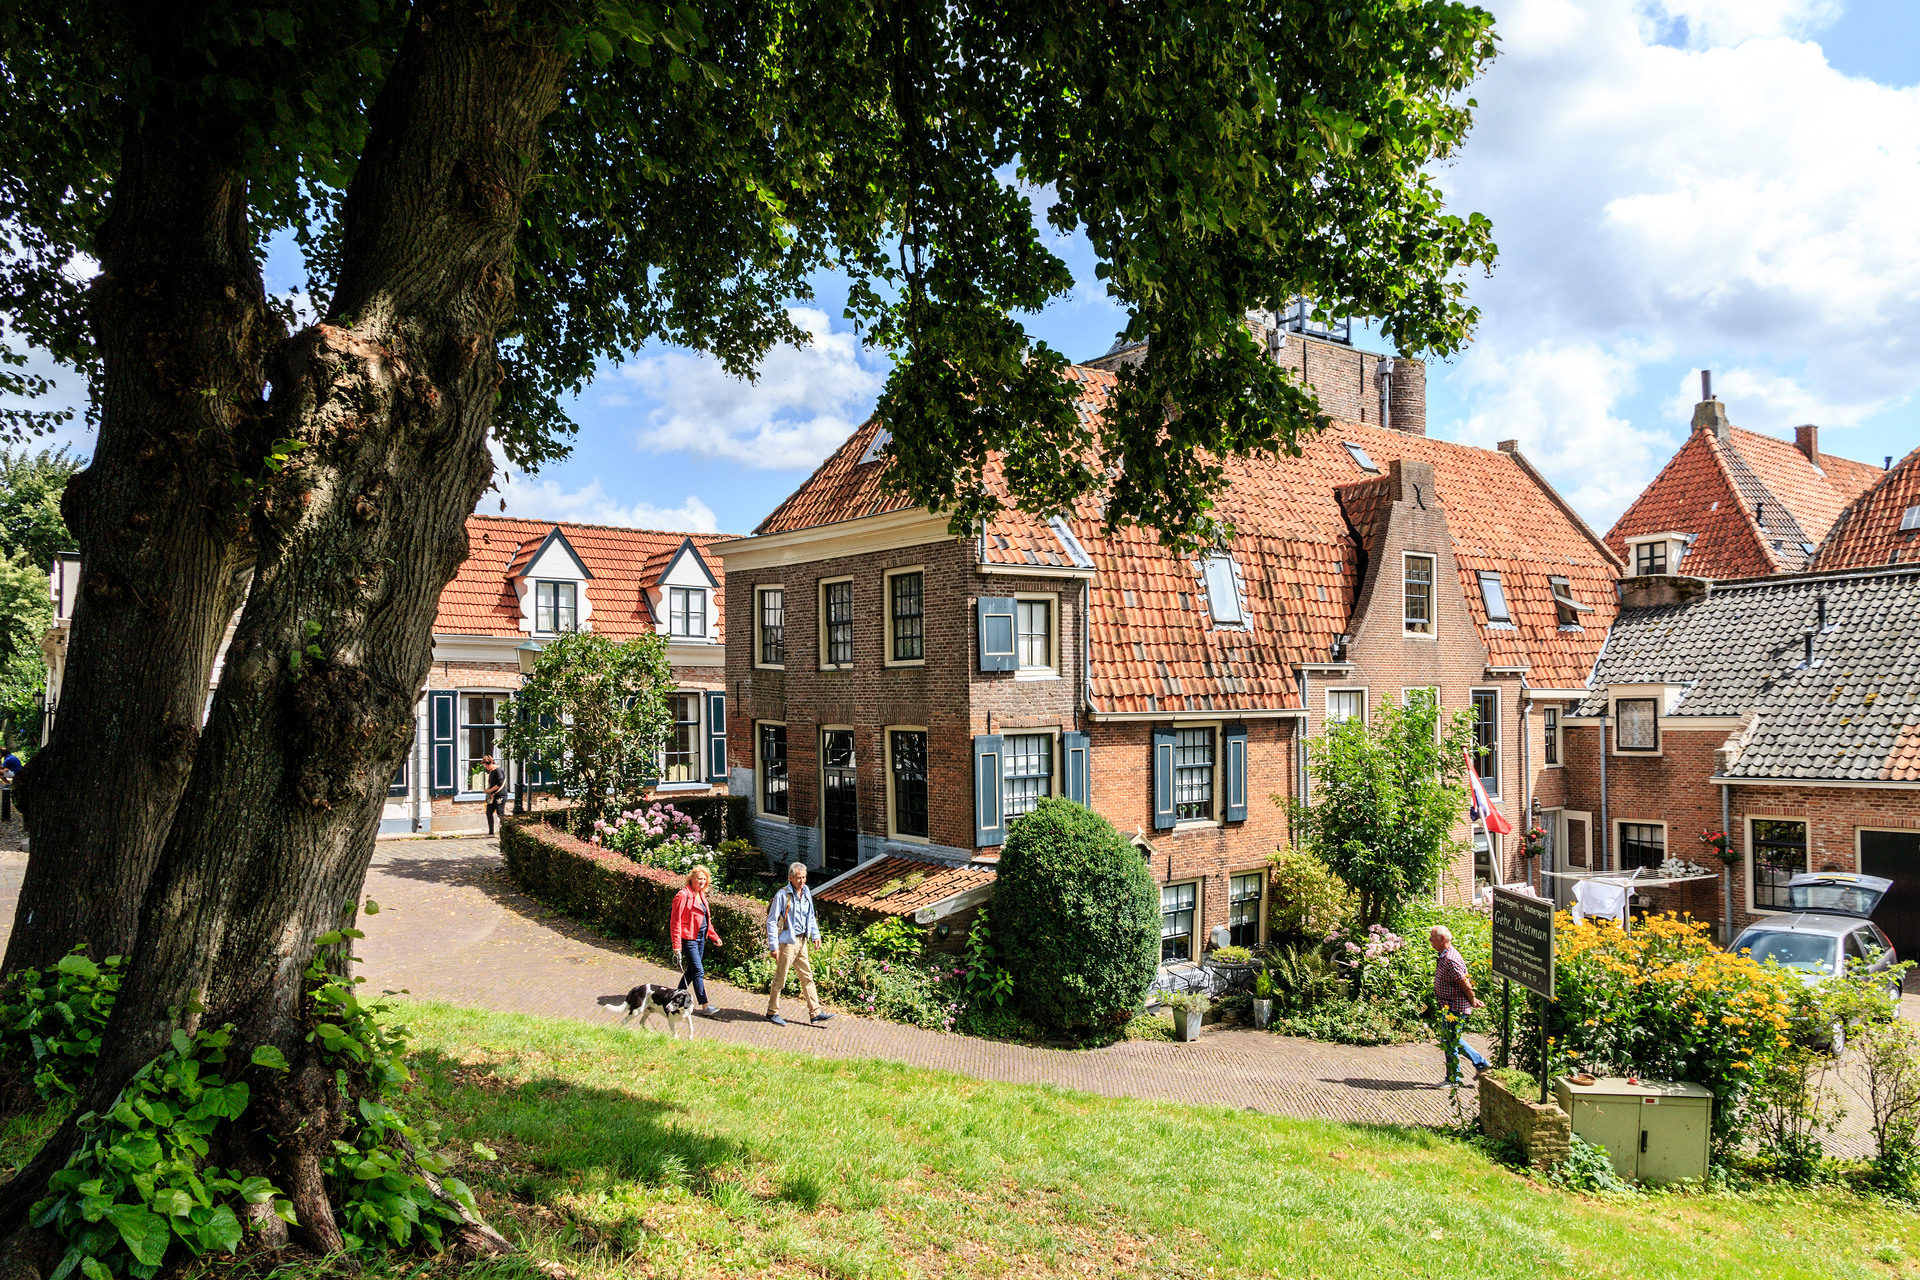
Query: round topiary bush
[1076,918]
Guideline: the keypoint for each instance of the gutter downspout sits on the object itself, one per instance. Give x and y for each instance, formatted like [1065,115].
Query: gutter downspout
[416,777]
[1526,779]
[1605,826]
[1086,668]
[1726,868]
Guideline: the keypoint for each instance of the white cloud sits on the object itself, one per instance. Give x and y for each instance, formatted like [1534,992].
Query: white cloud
[590,504]
[806,401]
[1733,201]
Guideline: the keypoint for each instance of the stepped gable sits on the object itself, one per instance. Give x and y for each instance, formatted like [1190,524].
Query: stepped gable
[480,600]
[1869,532]
[1152,644]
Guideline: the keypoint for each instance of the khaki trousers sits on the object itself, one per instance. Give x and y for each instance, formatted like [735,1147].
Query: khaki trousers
[793,955]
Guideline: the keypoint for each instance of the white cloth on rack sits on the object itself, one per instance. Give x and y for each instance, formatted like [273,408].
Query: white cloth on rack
[1597,898]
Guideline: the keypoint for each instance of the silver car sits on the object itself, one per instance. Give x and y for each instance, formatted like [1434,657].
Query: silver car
[1827,929]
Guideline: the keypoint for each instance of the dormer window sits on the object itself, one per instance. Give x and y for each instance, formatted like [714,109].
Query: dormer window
[1223,591]
[686,612]
[1494,597]
[1650,557]
[555,607]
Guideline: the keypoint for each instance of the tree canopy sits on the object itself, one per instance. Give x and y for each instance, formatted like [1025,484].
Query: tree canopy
[705,162]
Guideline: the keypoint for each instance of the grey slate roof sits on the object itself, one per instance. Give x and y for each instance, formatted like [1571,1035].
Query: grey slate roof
[1854,715]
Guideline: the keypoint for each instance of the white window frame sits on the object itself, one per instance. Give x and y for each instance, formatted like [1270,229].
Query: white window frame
[1327,717]
[1219,792]
[1054,762]
[759,622]
[1559,738]
[1481,578]
[466,763]
[893,824]
[1052,668]
[1746,821]
[1224,562]
[760,774]
[825,643]
[886,612]
[1618,850]
[1260,912]
[677,616]
[1433,594]
[1492,784]
[573,589]
[1196,937]
[1638,551]
[699,780]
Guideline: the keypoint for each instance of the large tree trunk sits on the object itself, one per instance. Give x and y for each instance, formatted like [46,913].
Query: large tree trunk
[182,326]
[393,395]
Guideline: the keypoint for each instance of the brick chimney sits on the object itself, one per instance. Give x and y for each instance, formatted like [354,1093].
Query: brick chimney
[1806,438]
[1410,480]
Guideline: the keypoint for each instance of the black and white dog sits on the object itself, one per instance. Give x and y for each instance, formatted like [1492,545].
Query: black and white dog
[646,998]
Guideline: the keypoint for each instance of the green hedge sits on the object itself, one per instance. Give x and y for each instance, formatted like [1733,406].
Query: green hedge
[721,818]
[617,895]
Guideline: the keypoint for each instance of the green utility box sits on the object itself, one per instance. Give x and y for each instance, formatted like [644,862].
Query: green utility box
[1655,1131]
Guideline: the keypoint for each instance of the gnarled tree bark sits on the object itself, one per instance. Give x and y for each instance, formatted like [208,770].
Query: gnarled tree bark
[392,395]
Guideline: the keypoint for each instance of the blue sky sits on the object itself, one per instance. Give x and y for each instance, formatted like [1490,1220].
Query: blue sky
[1674,184]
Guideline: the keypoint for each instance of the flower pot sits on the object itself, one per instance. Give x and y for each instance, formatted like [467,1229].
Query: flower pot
[1262,1013]
[1186,1023]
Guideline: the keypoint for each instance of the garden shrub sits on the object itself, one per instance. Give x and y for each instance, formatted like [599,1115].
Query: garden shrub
[1076,916]
[50,1026]
[1791,1111]
[893,939]
[1301,981]
[1587,1168]
[1889,1056]
[1309,900]
[1665,1003]
[1344,1021]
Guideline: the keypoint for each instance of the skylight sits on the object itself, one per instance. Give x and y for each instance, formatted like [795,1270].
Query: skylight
[881,439]
[1360,456]
[1494,597]
[1223,592]
[1910,520]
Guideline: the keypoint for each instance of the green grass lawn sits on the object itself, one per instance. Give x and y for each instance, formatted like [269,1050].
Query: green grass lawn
[623,1153]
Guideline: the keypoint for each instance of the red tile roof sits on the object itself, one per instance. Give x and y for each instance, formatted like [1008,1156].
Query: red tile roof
[1713,488]
[901,886]
[1868,532]
[1153,647]
[480,601]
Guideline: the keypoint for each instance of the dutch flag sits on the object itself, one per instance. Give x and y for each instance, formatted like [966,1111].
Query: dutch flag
[1481,809]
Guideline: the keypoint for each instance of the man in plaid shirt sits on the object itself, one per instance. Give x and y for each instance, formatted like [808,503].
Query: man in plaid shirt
[1453,992]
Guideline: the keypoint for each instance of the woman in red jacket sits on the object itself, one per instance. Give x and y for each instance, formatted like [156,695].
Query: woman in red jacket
[690,926]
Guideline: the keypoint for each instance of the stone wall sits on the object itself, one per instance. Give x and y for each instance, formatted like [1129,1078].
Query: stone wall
[1544,1132]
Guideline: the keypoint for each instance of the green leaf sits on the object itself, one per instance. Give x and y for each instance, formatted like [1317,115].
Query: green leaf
[223,1229]
[172,1202]
[257,1190]
[372,908]
[484,1151]
[93,1269]
[143,1231]
[79,966]
[182,1042]
[267,1056]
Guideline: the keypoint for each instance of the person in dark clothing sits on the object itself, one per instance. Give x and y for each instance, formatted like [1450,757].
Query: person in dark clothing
[496,790]
[10,768]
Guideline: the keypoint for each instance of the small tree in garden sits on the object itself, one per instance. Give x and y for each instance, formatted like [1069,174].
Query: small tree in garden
[1076,918]
[1385,799]
[594,716]
[1889,1056]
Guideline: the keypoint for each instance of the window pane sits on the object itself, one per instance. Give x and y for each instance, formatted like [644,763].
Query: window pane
[480,722]
[1494,597]
[1223,593]
[1550,731]
[773,769]
[1346,704]
[686,611]
[773,627]
[910,782]
[1243,910]
[1642,845]
[908,608]
[1419,594]
[1029,771]
[1033,633]
[564,614]
[840,624]
[1193,773]
[683,743]
[1636,730]
[1486,736]
[1176,921]
[1779,854]
[1650,557]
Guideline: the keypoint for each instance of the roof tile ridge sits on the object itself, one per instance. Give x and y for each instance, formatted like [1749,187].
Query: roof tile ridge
[1566,508]
[807,484]
[1728,458]
[1859,503]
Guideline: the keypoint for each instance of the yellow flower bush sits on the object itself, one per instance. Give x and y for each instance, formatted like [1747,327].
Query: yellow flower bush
[1665,1003]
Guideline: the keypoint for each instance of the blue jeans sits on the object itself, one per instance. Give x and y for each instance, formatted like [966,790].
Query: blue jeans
[1453,1044]
[692,967]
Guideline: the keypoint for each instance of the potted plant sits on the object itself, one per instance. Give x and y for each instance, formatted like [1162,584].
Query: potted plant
[1189,1011]
[1262,999]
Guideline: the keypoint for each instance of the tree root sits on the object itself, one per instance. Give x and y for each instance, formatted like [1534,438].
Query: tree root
[472,1236]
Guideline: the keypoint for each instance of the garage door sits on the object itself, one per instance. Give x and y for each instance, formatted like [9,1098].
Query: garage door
[1896,855]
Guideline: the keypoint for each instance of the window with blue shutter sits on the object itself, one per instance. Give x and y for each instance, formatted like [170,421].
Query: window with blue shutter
[989,808]
[1076,750]
[442,714]
[1235,740]
[1163,810]
[995,615]
[716,737]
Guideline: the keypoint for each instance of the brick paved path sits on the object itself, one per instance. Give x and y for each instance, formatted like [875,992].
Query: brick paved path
[452,927]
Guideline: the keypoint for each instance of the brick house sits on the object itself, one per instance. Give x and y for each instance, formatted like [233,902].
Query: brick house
[900,693]
[1737,504]
[1782,710]
[1881,527]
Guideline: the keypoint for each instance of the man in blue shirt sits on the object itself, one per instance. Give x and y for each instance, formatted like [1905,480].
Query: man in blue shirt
[790,927]
[10,768]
